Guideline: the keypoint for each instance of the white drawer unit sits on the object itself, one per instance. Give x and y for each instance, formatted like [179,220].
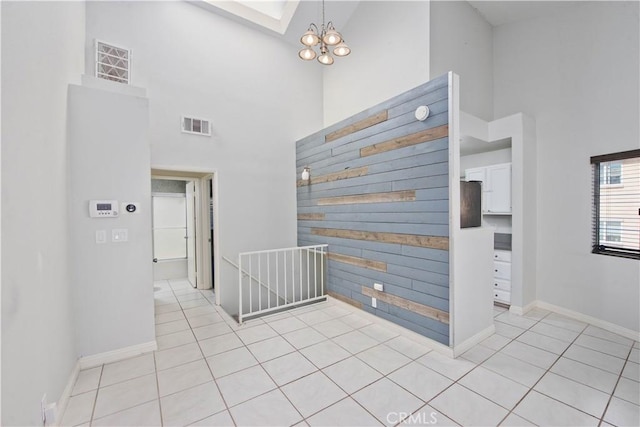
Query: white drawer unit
[503,285]
[502,270]
[499,255]
[502,276]
[502,296]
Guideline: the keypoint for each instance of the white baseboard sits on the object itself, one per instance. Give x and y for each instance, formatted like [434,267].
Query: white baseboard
[407,333]
[603,324]
[470,342]
[116,355]
[92,362]
[62,403]
[520,311]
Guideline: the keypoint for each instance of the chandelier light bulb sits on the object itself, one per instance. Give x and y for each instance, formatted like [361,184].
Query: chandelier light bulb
[310,38]
[341,49]
[332,37]
[325,59]
[307,54]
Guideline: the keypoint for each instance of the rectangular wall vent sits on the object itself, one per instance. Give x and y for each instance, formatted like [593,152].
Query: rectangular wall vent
[113,62]
[196,126]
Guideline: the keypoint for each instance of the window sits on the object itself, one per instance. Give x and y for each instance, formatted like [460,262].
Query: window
[112,62]
[611,173]
[616,204]
[610,231]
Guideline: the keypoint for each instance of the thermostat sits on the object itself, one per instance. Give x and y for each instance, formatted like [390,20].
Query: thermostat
[103,208]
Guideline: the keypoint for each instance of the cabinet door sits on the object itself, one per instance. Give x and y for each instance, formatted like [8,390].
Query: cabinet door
[476,174]
[499,188]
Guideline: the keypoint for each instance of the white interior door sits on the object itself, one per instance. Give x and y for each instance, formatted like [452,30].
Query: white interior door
[191,233]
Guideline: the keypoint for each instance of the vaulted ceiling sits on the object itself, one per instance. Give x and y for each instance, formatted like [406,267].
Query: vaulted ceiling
[290,18]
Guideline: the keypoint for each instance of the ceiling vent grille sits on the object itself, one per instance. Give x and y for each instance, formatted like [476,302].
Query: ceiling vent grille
[113,62]
[196,126]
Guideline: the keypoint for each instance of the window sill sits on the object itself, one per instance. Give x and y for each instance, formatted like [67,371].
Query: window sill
[616,254]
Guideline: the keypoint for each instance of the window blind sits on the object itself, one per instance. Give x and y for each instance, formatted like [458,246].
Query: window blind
[616,204]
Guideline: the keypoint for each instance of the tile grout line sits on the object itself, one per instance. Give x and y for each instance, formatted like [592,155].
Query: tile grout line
[95,400]
[541,377]
[204,358]
[201,352]
[384,343]
[606,408]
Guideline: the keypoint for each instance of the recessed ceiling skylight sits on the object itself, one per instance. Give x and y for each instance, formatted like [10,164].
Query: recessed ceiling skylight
[273,9]
[272,14]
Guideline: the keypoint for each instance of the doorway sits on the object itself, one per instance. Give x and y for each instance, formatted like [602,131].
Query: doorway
[183,217]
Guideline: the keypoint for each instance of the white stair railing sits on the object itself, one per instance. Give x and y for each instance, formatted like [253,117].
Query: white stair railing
[276,279]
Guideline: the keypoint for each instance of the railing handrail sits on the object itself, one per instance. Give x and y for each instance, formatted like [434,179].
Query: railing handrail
[251,277]
[284,249]
[296,271]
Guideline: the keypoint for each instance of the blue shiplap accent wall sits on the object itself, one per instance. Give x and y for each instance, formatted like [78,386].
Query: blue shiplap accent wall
[413,272]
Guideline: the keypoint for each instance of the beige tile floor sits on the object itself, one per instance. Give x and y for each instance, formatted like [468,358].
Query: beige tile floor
[327,365]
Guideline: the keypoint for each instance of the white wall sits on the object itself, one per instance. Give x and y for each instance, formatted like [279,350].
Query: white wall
[462,41]
[470,253]
[109,159]
[38,352]
[260,97]
[390,55]
[576,73]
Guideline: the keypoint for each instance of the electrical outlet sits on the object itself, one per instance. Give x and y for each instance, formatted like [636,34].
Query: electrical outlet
[374,303]
[378,287]
[43,408]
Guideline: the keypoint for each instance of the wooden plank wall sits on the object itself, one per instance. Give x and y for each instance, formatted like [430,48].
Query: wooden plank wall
[378,195]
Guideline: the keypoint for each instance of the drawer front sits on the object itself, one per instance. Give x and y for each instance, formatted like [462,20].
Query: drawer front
[499,255]
[503,285]
[502,270]
[502,296]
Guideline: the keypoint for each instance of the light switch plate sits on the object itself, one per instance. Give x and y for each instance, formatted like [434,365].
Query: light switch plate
[101,236]
[119,235]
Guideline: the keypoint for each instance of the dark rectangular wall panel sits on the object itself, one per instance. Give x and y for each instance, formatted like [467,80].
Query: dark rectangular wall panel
[379,196]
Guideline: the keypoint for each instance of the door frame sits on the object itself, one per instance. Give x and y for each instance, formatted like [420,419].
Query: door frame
[201,177]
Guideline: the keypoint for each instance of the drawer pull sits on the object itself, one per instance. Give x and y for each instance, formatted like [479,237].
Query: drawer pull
[496,271]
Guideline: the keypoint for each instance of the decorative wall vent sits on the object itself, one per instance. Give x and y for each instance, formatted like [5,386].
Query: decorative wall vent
[113,62]
[196,126]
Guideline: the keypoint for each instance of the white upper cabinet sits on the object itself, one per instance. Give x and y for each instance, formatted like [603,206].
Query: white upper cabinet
[496,187]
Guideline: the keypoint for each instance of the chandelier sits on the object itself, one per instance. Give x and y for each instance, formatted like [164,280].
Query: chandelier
[326,36]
